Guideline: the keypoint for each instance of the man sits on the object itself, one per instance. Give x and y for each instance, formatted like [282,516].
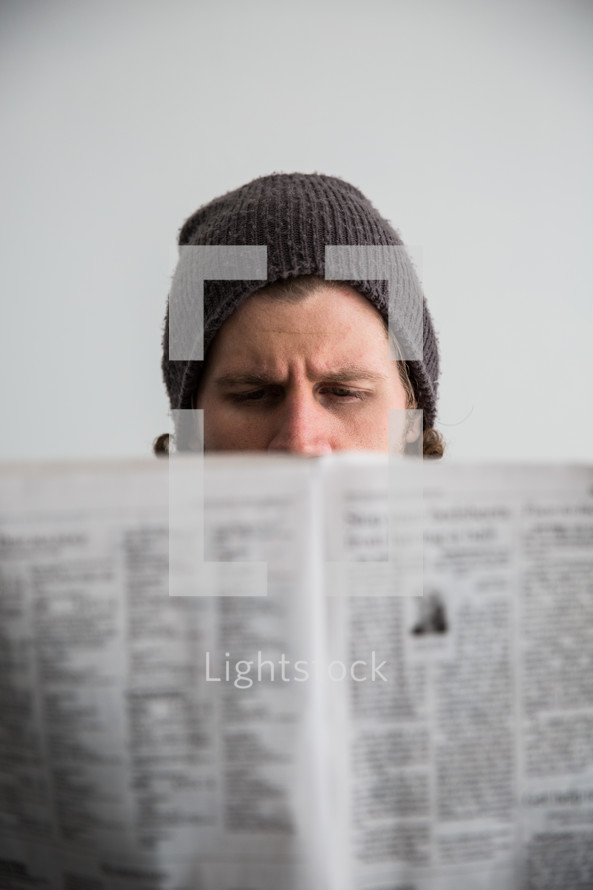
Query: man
[297,362]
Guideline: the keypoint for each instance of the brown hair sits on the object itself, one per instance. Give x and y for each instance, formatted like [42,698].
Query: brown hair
[293,290]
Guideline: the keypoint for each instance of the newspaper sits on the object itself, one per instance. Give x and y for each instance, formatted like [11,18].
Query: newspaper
[347,690]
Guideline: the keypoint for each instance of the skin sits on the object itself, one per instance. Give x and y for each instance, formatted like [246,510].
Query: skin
[308,378]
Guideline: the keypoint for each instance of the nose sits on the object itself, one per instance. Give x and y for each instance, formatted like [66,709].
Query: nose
[303,426]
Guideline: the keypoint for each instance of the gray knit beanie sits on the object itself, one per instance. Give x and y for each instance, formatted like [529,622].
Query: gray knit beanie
[296,216]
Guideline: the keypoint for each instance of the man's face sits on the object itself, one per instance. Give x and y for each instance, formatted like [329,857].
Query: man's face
[308,377]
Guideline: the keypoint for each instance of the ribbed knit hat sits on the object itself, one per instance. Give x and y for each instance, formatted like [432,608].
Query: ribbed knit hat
[296,215]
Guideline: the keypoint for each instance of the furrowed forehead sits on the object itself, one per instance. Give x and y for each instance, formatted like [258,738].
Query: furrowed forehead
[340,374]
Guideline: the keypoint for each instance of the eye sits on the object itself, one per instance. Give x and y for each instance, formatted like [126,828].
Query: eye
[344,393]
[263,394]
[252,396]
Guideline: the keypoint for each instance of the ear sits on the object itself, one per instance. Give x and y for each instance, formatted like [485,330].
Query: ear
[414,429]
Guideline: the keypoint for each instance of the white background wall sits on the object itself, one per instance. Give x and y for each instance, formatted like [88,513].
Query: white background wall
[468,123]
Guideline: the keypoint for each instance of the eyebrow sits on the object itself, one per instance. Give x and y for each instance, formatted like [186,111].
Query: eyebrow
[344,374]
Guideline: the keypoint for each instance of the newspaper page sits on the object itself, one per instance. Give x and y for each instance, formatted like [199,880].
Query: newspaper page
[470,752]
[356,724]
[150,741]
